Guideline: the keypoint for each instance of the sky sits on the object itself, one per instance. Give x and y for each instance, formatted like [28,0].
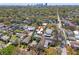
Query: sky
[37,3]
[51,2]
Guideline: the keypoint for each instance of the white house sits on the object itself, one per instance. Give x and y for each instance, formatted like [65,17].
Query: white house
[76,33]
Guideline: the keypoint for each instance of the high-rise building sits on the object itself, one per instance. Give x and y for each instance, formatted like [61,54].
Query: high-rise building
[45,4]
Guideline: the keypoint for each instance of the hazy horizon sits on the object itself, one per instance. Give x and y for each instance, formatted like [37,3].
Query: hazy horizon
[39,3]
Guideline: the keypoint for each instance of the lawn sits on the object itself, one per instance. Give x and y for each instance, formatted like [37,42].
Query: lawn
[13,37]
[8,50]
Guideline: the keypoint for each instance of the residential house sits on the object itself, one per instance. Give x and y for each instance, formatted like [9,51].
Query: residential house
[68,23]
[16,21]
[31,28]
[48,32]
[14,27]
[54,21]
[25,27]
[49,41]
[75,44]
[46,20]
[25,40]
[1,25]
[33,44]
[21,35]
[28,21]
[39,30]
[46,43]
[1,34]
[76,33]
[44,24]
[35,35]
[72,24]
[5,38]
[65,22]
[69,33]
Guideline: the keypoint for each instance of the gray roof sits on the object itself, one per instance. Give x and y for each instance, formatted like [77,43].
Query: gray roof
[69,33]
[46,43]
[5,38]
[26,40]
[49,31]
[77,37]
[31,28]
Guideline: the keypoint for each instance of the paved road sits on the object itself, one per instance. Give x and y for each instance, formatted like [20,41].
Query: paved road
[64,51]
[59,21]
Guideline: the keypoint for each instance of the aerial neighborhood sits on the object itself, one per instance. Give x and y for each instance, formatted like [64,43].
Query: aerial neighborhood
[39,30]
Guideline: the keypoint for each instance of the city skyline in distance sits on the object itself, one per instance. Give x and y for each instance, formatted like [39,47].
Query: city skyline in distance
[39,4]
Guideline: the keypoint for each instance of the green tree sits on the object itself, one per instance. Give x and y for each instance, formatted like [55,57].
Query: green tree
[8,50]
